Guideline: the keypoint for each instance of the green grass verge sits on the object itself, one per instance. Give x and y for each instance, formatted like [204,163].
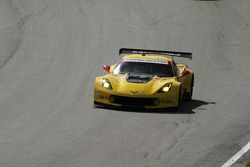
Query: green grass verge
[248,165]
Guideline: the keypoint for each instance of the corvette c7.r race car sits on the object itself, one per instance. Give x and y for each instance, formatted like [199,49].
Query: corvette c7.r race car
[145,78]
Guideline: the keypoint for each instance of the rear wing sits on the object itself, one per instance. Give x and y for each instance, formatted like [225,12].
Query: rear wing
[161,52]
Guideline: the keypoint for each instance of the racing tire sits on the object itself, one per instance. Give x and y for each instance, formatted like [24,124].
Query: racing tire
[188,95]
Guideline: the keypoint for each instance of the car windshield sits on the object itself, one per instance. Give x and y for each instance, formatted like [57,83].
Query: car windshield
[142,68]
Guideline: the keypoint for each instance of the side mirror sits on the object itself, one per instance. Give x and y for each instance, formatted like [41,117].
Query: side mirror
[106,67]
[185,72]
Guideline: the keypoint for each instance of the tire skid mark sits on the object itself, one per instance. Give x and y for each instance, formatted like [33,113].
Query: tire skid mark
[19,26]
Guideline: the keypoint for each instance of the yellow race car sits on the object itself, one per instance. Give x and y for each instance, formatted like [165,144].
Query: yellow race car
[145,78]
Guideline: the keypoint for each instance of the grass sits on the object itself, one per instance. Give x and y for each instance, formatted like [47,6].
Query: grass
[248,165]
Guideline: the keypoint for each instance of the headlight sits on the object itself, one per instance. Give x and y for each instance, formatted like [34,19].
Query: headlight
[106,84]
[165,88]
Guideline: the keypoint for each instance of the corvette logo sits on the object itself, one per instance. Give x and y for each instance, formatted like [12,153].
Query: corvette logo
[134,92]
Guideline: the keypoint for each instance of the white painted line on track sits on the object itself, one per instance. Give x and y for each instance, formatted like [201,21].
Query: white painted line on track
[237,156]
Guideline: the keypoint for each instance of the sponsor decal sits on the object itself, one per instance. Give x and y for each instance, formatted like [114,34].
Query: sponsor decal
[145,61]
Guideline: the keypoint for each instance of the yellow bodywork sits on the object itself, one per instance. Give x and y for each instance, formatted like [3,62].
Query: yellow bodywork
[122,88]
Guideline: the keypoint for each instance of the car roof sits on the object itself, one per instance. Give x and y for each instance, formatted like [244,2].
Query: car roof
[148,57]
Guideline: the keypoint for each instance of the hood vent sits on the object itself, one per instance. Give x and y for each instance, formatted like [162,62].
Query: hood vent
[135,78]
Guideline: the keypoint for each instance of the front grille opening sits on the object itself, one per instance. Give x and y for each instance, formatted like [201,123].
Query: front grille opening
[133,101]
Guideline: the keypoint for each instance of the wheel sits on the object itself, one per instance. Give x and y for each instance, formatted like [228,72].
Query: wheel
[177,108]
[188,96]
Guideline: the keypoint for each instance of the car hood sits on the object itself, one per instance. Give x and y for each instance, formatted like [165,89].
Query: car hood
[137,86]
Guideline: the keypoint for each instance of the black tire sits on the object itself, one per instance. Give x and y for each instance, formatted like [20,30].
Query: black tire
[188,96]
[177,108]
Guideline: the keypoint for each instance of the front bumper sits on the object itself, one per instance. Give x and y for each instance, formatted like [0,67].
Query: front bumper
[157,100]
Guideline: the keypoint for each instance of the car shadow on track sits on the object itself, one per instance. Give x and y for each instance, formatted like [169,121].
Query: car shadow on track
[185,108]
[190,106]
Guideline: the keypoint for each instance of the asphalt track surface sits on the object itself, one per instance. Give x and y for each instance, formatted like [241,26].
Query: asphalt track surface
[51,51]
